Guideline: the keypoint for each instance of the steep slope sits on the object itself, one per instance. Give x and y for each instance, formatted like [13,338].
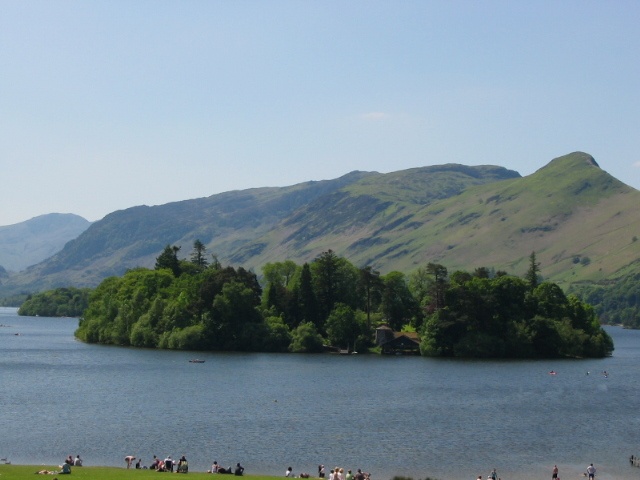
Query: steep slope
[581,222]
[568,210]
[37,239]
[353,220]
[135,236]
[229,224]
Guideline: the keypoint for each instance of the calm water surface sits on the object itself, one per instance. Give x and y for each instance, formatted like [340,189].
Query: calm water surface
[387,415]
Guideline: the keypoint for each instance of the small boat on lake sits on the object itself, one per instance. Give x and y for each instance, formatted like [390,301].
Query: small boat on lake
[196,360]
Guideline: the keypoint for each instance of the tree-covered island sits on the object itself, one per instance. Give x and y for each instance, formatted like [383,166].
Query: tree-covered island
[200,305]
[60,302]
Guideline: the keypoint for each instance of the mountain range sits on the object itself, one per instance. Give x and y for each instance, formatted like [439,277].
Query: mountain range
[27,243]
[581,222]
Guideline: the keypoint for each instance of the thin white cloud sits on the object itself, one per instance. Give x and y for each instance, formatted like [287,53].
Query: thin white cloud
[374,116]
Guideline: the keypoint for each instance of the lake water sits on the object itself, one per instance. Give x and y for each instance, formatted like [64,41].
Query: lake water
[390,416]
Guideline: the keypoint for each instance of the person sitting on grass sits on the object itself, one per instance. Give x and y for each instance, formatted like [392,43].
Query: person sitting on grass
[183,466]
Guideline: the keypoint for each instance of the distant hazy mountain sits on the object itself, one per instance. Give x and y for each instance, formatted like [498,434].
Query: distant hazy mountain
[27,243]
[581,222]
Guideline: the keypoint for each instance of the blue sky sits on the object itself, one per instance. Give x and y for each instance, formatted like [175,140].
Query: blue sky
[106,105]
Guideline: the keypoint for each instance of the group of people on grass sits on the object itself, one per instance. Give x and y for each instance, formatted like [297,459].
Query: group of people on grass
[65,468]
[336,473]
[159,465]
[216,468]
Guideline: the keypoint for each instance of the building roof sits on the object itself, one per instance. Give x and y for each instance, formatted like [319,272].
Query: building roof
[402,341]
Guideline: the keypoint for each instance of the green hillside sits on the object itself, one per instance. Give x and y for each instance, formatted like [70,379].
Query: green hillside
[568,210]
[582,223]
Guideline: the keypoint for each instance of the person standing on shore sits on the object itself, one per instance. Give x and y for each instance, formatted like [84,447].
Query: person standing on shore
[129,460]
[591,471]
[554,472]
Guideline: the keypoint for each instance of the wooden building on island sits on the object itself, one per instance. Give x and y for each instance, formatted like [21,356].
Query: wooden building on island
[397,343]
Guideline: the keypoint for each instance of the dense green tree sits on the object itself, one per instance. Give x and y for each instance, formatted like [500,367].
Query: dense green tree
[306,339]
[460,277]
[59,302]
[187,338]
[279,273]
[482,272]
[442,330]
[439,273]
[182,307]
[169,259]
[509,297]
[146,332]
[533,273]
[582,315]
[306,299]
[398,305]
[334,281]
[279,336]
[343,327]
[551,301]
[278,295]
[419,285]
[614,302]
[500,317]
[370,286]
[272,296]
[118,303]
[102,310]
[233,317]
[325,271]
[544,336]
[213,280]
[198,255]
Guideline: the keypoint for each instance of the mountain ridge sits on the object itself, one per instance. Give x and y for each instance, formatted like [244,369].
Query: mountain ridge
[32,241]
[457,215]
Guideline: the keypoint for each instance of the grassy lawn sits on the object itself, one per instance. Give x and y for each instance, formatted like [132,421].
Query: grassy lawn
[24,472]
